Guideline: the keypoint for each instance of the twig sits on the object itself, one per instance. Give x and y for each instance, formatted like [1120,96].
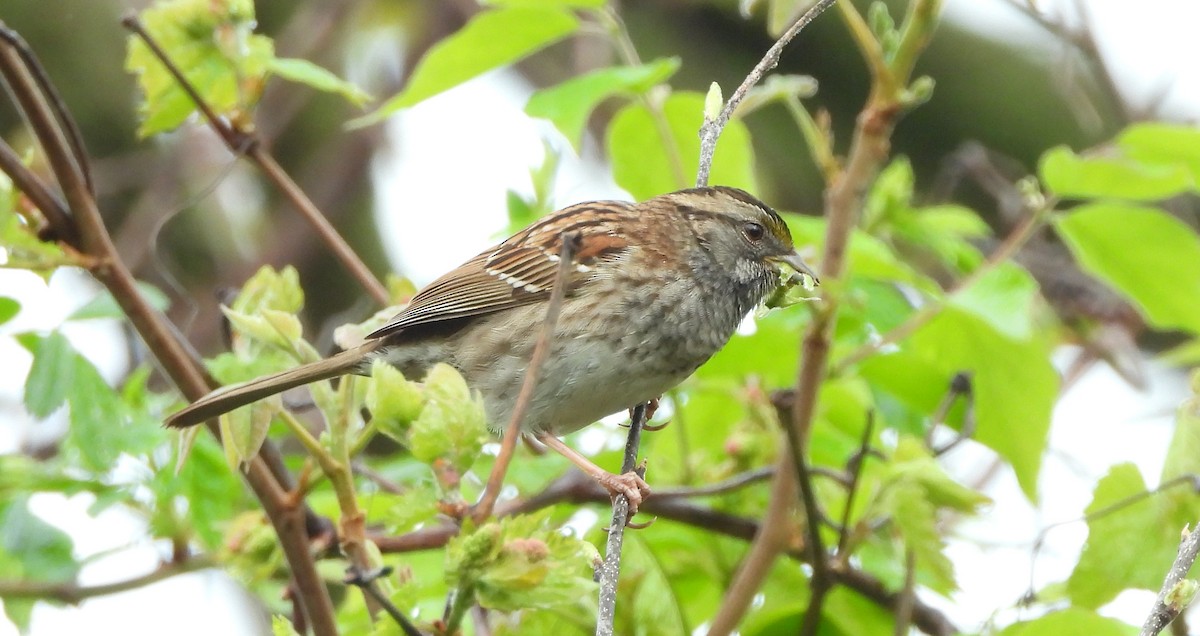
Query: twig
[289,519]
[1177,590]
[73,593]
[366,581]
[508,444]
[904,604]
[247,144]
[711,130]
[737,482]
[960,385]
[860,458]
[610,569]
[575,487]
[59,226]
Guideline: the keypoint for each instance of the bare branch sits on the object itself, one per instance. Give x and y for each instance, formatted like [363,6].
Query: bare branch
[1177,590]
[73,593]
[711,130]
[610,569]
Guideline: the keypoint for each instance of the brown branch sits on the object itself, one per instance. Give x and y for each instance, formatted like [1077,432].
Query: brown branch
[1176,591]
[59,226]
[857,461]
[576,488]
[610,569]
[711,130]
[72,593]
[566,257]
[290,521]
[246,144]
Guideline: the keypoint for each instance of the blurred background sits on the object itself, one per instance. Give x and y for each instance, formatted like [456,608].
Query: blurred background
[427,189]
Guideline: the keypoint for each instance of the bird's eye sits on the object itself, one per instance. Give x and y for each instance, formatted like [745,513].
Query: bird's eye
[754,231]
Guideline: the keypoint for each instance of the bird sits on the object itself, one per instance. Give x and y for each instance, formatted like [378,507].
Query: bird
[653,290]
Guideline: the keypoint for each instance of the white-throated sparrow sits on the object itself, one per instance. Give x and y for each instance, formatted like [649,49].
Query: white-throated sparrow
[656,289]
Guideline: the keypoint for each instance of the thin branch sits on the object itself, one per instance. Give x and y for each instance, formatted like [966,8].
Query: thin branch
[904,607]
[508,444]
[243,143]
[73,593]
[711,130]
[737,482]
[59,226]
[1177,591]
[610,570]
[856,466]
[366,581]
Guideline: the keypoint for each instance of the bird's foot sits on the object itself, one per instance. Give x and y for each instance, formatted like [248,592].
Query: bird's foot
[629,484]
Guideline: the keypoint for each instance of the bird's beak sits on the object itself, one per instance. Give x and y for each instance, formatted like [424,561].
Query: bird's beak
[794,261]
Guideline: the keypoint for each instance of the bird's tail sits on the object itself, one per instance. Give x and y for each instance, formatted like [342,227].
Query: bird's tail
[227,398]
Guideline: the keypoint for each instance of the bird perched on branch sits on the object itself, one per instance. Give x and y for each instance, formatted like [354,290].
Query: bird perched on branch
[654,290]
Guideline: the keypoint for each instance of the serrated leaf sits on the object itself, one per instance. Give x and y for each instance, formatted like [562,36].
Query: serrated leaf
[916,519]
[451,427]
[491,39]
[102,426]
[645,164]
[394,402]
[51,376]
[1004,298]
[214,45]
[305,72]
[271,289]
[569,104]
[1145,253]
[1070,175]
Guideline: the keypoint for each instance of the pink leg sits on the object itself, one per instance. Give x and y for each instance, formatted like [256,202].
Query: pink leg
[630,484]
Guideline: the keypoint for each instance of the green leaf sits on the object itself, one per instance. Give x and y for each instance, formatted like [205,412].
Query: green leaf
[105,306]
[569,104]
[244,430]
[8,309]
[1145,253]
[1164,144]
[646,164]
[51,376]
[271,289]
[99,423]
[491,39]
[393,401]
[40,551]
[916,519]
[1013,381]
[452,425]
[1070,175]
[1004,298]
[313,76]
[1109,563]
[282,626]
[214,45]
[1070,621]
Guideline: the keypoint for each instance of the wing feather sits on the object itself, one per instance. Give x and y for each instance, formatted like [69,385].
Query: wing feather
[519,271]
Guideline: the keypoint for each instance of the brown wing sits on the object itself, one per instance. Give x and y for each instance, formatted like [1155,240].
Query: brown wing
[520,270]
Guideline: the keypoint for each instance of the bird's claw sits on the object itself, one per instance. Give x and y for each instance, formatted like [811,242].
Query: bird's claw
[629,484]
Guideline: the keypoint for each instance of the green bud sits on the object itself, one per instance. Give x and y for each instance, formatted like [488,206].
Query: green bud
[713,102]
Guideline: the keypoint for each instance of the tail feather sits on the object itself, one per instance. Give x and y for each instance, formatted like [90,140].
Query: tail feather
[227,398]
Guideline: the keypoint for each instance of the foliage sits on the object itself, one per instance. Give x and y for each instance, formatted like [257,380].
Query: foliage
[923,302]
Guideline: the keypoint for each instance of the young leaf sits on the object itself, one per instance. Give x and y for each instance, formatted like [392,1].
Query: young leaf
[51,376]
[1073,620]
[1163,144]
[1145,253]
[1070,175]
[568,104]
[451,426]
[1109,562]
[1004,298]
[491,39]
[313,76]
